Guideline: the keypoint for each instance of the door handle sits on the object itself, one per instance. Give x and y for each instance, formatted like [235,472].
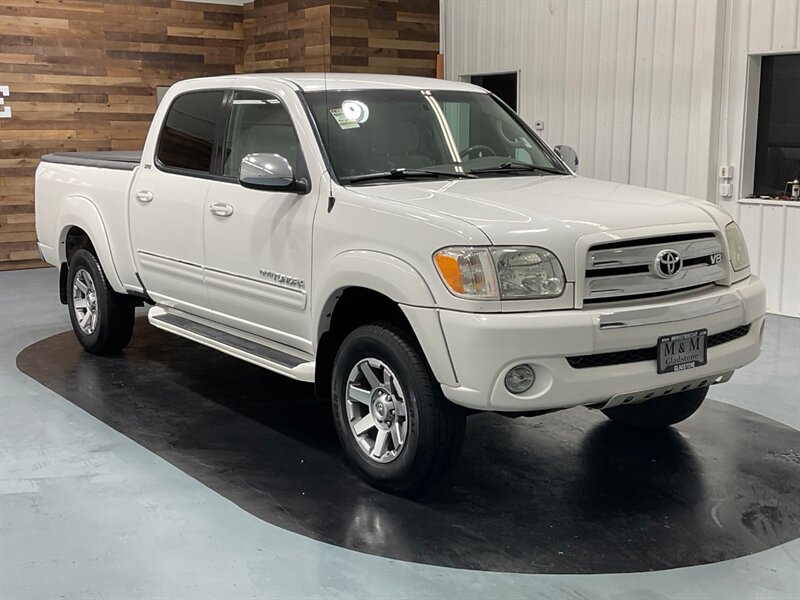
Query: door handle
[221,209]
[144,196]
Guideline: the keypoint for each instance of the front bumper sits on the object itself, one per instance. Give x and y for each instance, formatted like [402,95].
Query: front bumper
[483,347]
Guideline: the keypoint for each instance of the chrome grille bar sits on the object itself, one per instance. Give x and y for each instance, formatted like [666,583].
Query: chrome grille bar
[618,270]
[645,255]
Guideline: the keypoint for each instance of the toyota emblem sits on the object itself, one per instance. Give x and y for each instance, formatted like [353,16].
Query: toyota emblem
[667,263]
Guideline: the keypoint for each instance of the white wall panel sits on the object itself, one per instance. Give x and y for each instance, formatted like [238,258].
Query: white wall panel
[628,83]
[790,291]
[751,217]
[772,231]
[786,25]
[575,61]
[657,93]
[752,28]
[673,137]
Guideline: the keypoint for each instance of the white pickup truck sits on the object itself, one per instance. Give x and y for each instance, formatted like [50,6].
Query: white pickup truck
[409,245]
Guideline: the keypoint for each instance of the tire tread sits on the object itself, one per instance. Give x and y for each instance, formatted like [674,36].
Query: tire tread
[115,327]
[436,456]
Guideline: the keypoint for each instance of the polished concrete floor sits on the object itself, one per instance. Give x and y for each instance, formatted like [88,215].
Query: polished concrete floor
[97,503]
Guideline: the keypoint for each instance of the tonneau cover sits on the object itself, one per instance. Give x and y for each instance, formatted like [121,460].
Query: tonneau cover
[126,160]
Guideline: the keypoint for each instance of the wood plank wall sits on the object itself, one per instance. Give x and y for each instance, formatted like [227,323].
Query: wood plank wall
[400,37]
[368,36]
[83,73]
[82,76]
[281,35]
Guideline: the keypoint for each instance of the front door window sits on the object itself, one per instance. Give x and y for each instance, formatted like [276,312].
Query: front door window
[258,123]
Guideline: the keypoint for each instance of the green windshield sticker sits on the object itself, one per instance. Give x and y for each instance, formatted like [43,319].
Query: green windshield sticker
[343,121]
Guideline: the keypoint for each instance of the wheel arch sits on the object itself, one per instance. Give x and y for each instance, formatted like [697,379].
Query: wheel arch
[80,225]
[365,286]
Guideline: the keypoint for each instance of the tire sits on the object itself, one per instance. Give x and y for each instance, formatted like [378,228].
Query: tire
[102,319]
[659,412]
[429,427]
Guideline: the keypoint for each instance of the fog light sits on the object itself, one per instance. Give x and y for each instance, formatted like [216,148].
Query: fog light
[520,379]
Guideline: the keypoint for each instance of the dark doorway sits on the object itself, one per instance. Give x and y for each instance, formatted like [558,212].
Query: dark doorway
[503,85]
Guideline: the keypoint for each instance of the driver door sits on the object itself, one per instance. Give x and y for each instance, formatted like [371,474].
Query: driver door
[257,242]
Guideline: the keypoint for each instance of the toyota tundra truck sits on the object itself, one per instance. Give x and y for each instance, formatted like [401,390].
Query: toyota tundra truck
[411,247]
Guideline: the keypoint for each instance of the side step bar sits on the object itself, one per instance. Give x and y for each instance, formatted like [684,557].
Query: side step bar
[226,340]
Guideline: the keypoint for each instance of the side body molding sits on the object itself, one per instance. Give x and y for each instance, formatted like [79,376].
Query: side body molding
[398,281]
[79,211]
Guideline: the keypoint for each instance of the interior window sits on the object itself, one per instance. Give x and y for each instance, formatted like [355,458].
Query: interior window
[778,139]
[187,139]
[258,123]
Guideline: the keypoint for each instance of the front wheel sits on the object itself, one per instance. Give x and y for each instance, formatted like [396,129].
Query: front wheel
[101,318]
[659,412]
[396,427]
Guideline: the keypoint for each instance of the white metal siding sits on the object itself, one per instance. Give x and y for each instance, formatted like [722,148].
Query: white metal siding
[629,84]
[752,27]
[650,92]
[772,231]
[575,63]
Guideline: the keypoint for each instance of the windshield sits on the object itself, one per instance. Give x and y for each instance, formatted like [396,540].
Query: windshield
[385,132]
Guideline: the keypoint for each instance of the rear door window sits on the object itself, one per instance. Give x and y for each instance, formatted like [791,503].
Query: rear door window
[187,138]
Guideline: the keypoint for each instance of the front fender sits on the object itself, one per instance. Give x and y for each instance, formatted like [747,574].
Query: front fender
[79,211]
[398,281]
[376,271]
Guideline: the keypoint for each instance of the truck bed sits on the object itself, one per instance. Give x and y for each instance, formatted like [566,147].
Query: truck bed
[126,160]
[89,190]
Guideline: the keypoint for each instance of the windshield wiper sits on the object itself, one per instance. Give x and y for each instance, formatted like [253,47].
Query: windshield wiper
[402,173]
[511,166]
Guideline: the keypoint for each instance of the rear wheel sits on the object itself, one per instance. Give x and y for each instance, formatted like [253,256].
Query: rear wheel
[659,412]
[396,427]
[101,318]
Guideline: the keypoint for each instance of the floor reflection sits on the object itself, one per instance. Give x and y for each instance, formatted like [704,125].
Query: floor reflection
[565,493]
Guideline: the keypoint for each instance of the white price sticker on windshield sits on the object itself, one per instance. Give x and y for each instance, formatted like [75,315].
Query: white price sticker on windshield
[344,121]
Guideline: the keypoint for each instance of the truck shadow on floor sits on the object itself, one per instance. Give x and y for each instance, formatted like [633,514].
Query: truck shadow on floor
[568,492]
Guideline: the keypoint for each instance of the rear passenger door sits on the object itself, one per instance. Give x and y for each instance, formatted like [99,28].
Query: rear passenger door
[168,203]
[257,242]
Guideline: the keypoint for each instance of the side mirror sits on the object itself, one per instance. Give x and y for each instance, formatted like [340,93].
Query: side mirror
[568,155]
[264,171]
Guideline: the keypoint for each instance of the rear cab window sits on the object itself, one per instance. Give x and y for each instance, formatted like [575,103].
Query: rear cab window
[188,136]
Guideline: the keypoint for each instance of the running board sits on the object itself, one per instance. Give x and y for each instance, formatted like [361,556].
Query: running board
[227,341]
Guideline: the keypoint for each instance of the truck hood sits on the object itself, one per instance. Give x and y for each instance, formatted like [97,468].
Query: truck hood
[548,211]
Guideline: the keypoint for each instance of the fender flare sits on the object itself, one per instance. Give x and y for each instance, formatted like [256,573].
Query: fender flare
[79,211]
[398,281]
[373,270]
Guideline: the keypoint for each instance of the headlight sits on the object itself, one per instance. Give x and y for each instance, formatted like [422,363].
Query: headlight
[508,273]
[528,273]
[737,247]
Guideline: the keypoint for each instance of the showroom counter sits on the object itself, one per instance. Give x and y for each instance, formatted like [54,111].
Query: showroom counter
[772,231]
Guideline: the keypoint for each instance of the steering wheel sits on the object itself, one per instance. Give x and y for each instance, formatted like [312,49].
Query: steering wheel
[476,148]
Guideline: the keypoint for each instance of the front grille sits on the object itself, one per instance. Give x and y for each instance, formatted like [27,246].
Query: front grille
[622,357]
[626,270]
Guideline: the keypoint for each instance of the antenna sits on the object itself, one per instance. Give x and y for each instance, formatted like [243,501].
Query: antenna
[326,53]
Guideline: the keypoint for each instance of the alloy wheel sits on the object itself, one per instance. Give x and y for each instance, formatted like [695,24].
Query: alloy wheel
[376,410]
[84,301]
